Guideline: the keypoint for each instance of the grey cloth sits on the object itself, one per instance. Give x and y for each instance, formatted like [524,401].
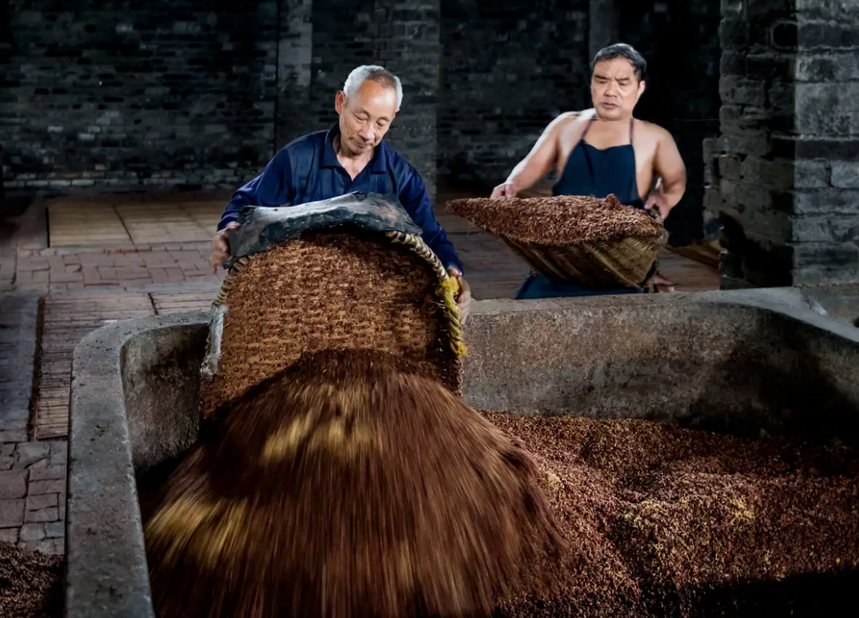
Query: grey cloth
[262,227]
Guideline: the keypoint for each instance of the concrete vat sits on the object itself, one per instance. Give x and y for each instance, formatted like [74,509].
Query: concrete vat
[743,362]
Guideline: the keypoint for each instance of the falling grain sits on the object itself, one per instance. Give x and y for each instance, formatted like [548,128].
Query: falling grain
[351,485]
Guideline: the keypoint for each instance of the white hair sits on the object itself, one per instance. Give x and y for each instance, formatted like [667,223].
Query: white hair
[376,73]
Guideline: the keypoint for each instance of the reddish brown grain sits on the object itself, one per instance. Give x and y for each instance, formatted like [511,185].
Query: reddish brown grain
[561,220]
[667,521]
[418,507]
[30,583]
[329,291]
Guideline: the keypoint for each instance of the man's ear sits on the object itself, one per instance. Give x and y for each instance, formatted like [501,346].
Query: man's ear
[642,86]
[340,102]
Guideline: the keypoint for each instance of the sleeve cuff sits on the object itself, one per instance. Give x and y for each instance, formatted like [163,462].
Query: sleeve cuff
[225,222]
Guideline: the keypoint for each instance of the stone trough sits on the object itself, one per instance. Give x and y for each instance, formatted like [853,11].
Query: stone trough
[741,362]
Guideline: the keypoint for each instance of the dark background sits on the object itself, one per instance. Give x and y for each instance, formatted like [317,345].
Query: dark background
[132,94]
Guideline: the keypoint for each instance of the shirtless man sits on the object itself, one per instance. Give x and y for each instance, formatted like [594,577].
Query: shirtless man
[604,150]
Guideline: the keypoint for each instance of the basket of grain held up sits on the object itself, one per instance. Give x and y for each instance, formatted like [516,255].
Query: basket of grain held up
[347,273]
[339,473]
[590,242]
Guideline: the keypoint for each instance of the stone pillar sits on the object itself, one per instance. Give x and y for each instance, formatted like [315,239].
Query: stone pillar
[825,142]
[408,43]
[603,25]
[294,71]
[783,174]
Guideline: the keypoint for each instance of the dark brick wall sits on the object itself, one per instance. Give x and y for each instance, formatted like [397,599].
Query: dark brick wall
[149,92]
[323,40]
[136,92]
[680,41]
[341,39]
[508,69]
[294,115]
[783,172]
[410,45]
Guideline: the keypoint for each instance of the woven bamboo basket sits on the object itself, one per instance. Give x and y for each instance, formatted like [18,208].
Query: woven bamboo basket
[335,286]
[591,265]
[608,257]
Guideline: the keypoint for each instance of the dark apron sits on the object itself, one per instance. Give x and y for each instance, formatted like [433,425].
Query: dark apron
[594,172]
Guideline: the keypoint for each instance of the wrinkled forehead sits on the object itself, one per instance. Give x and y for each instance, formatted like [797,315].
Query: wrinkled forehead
[616,68]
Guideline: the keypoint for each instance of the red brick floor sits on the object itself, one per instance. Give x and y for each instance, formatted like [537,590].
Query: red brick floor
[65,321]
[109,262]
[125,270]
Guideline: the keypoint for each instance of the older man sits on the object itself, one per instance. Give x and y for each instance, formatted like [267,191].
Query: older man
[349,157]
[604,150]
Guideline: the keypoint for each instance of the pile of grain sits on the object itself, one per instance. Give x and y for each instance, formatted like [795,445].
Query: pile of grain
[667,521]
[30,583]
[558,221]
[349,485]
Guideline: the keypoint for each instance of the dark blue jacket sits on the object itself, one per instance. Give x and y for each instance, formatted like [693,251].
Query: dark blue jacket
[307,170]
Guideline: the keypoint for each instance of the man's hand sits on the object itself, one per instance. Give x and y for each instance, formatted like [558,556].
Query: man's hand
[505,189]
[221,247]
[658,200]
[463,299]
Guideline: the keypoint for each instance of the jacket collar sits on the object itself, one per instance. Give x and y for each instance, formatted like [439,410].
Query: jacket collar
[377,165]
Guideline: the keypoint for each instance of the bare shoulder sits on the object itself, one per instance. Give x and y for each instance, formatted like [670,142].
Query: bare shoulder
[568,123]
[653,131]
[568,118]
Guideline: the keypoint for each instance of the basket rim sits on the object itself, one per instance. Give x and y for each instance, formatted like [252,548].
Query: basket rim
[460,208]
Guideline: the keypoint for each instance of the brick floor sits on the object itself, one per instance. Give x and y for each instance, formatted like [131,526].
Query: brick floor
[24,518]
[84,224]
[33,494]
[39,272]
[183,301]
[112,221]
[67,320]
[89,275]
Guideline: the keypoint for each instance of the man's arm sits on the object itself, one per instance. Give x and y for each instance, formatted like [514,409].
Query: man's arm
[415,199]
[670,170]
[539,162]
[271,188]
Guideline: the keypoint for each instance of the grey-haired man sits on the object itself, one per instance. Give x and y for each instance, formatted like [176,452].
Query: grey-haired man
[351,156]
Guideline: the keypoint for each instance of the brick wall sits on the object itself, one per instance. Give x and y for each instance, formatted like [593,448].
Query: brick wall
[197,93]
[151,93]
[409,44]
[323,40]
[508,69]
[783,173]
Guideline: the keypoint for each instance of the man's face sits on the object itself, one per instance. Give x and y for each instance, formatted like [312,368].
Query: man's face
[615,89]
[366,116]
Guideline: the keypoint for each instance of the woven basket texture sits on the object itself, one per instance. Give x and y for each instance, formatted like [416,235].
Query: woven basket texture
[597,244]
[329,290]
[591,265]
